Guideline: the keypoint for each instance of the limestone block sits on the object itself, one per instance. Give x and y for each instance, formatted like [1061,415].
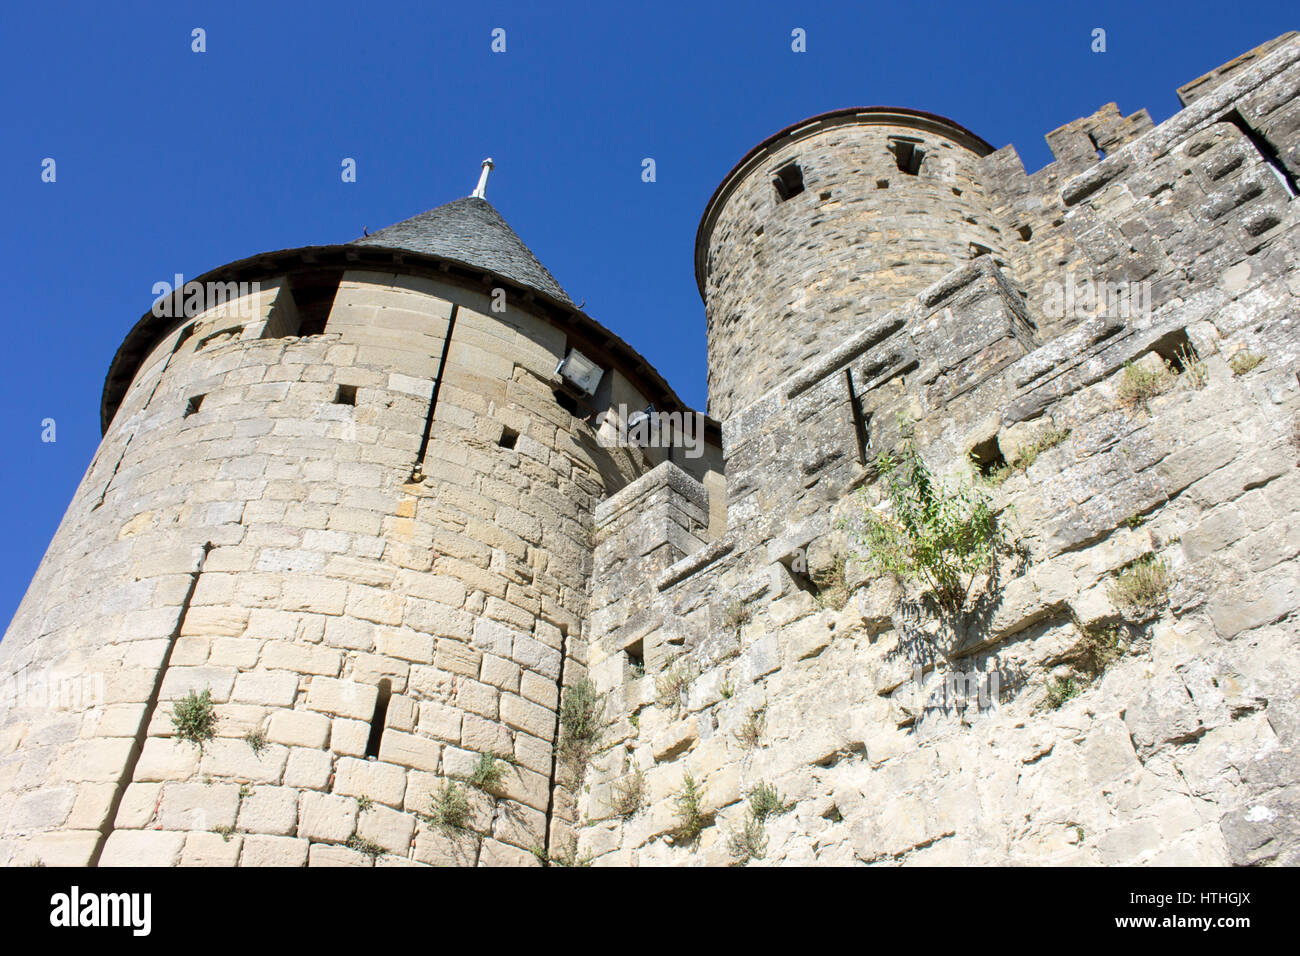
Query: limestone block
[410,750]
[299,728]
[343,698]
[211,849]
[308,769]
[326,817]
[382,782]
[196,806]
[259,850]
[390,829]
[142,848]
[272,810]
[323,855]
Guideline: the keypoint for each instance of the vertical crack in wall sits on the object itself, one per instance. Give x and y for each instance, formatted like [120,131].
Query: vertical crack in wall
[142,731]
[555,743]
[417,470]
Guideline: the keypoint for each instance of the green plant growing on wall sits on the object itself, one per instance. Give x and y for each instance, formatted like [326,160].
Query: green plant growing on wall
[1142,586]
[566,856]
[628,795]
[194,718]
[736,615]
[449,808]
[670,684]
[365,803]
[750,731]
[766,801]
[748,841]
[256,740]
[580,724]
[832,585]
[368,847]
[941,536]
[225,832]
[690,813]
[1245,361]
[1061,689]
[1195,372]
[1028,453]
[487,773]
[1139,384]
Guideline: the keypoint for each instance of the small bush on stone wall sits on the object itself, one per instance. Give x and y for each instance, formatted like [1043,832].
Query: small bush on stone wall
[628,795]
[487,773]
[766,801]
[1139,384]
[580,720]
[1142,586]
[256,740]
[690,812]
[1244,362]
[747,841]
[368,847]
[449,808]
[671,684]
[935,534]
[750,732]
[194,718]
[832,586]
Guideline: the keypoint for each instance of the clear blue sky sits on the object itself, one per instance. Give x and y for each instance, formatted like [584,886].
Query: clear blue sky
[173,161]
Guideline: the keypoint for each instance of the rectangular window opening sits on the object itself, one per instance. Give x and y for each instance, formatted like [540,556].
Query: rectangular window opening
[509,438]
[635,656]
[193,405]
[347,395]
[788,181]
[313,295]
[908,155]
[1176,351]
[987,457]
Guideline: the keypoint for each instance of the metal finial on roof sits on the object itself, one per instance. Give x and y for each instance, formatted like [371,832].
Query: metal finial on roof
[480,191]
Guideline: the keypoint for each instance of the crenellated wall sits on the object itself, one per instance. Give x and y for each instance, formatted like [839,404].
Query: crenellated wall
[893,739]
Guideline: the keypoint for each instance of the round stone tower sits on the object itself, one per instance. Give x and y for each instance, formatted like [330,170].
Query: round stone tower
[829,222]
[347,492]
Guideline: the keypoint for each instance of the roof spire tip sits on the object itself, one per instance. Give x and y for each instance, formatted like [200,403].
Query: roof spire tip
[480,191]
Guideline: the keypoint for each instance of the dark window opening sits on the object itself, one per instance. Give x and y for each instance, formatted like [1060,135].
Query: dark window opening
[987,457]
[313,294]
[635,655]
[788,181]
[907,155]
[377,721]
[1176,351]
[509,437]
[956,191]
[978,249]
[825,195]
[1101,153]
[1266,152]
[347,395]
[193,405]
[566,402]
[184,336]
[1025,233]
[882,183]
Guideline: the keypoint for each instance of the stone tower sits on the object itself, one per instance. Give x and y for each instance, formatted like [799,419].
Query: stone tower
[837,218]
[352,499]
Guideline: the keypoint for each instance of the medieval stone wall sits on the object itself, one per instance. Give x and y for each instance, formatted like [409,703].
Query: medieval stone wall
[866,713]
[249,528]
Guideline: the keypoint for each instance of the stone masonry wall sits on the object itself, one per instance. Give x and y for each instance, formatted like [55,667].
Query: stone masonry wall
[270,547]
[854,703]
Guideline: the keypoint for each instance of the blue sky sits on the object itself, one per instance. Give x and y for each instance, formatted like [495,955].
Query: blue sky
[174,161]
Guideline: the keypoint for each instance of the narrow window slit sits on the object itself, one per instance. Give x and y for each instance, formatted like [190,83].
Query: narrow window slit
[908,155]
[377,721]
[788,181]
[193,405]
[509,438]
[347,395]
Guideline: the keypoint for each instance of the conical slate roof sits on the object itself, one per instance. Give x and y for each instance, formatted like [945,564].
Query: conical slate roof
[471,231]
